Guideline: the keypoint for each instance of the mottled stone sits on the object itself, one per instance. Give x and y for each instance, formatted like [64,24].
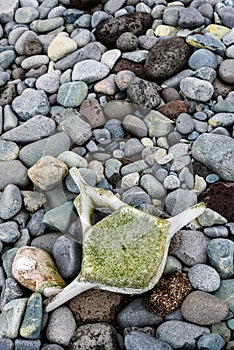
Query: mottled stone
[226,69]
[196,89]
[10,202]
[137,340]
[31,325]
[91,110]
[72,94]
[107,32]
[47,172]
[49,82]
[127,42]
[11,290]
[226,292]
[220,252]
[89,71]
[143,92]
[167,58]
[204,277]
[203,308]
[211,341]
[190,18]
[206,42]
[173,108]
[34,269]
[134,67]
[158,124]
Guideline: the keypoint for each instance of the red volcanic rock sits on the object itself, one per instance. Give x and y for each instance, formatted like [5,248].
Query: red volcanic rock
[173,108]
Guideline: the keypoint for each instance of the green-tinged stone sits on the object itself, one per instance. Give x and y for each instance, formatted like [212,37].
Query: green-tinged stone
[206,42]
[7,260]
[31,325]
[222,329]
[220,252]
[46,25]
[59,217]
[10,318]
[210,218]
[72,94]
[6,58]
[226,292]
[158,124]
[217,30]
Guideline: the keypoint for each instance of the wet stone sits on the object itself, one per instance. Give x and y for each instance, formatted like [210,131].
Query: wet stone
[31,325]
[11,202]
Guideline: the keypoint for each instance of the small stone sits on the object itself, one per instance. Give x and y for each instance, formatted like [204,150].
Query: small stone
[184,123]
[226,14]
[91,110]
[59,217]
[7,11]
[225,292]
[7,58]
[173,109]
[130,180]
[220,252]
[47,172]
[7,261]
[31,325]
[190,18]
[216,231]
[11,202]
[115,128]
[137,68]
[168,294]
[171,182]
[203,308]
[226,71]
[33,200]
[203,58]
[61,46]
[210,218]
[152,186]
[211,341]
[11,290]
[137,340]
[158,124]
[23,344]
[31,103]
[206,42]
[34,62]
[110,57]
[179,333]
[72,94]
[164,31]
[204,277]
[13,172]
[6,344]
[46,241]
[196,89]
[133,147]
[61,326]
[179,200]
[28,44]
[34,269]
[10,318]
[136,315]
[127,42]
[106,86]
[95,306]
[135,126]
[89,71]
[187,251]
[49,82]
[218,31]
[26,14]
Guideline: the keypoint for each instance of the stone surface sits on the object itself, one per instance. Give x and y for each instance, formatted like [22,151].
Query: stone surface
[89,71]
[204,277]
[11,202]
[72,94]
[167,58]
[91,110]
[61,46]
[196,89]
[31,325]
[13,172]
[203,308]
[226,71]
[179,200]
[225,292]
[173,109]
[143,92]
[220,252]
[137,340]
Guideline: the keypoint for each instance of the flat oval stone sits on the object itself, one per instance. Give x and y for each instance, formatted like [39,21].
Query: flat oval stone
[89,71]
[226,69]
[72,94]
[135,126]
[204,277]
[13,172]
[11,202]
[167,58]
[196,89]
[32,321]
[203,308]
[206,42]
[26,14]
[211,341]
[137,340]
[107,32]
[220,252]
[49,82]
[9,232]
[203,58]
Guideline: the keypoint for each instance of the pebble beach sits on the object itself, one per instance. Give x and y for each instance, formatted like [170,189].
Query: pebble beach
[139,97]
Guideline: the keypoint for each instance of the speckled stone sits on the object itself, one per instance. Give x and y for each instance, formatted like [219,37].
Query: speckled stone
[127,42]
[161,63]
[49,82]
[31,325]
[203,308]
[204,277]
[211,341]
[206,42]
[72,94]
[196,89]
[203,58]
[226,71]
[137,340]
[173,109]
[23,344]
[220,252]
[10,202]
[13,172]
[90,71]
[143,92]
[11,290]
[91,110]
[190,18]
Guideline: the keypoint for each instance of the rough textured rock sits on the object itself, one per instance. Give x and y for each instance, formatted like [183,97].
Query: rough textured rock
[166,58]
[107,32]
[135,67]
[173,108]
[144,93]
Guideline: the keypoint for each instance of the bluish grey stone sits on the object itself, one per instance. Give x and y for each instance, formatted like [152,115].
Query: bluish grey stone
[190,18]
[9,232]
[220,252]
[26,14]
[147,42]
[32,321]
[72,159]
[171,15]
[72,94]
[46,25]
[83,21]
[11,290]
[200,127]
[179,200]
[136,196]
[50,146]
[112,167]
[10,202]
[35,226]
[211,341]
[67,256]
[7,58]
[61,326]
[171,182]
[98,17]
[90,71]
[216,232]
[24,239]
[226,292]
[152,186]
[7,260]
[10,318]
[222,119]
[83,38]
[136,315]
[59,217]
[179,333]
[197,89]
[137,166]
[71,15]
[133,147]
[136,55]
[203,58]
[6,344]
[31,103]
[212,178]
[174,82]
[102,136]
[10,118]
[46,241]
[135,126]
[226,14]
[22,344]
[230,324]
[49,82]
[207,41]
[138,341]
[215,151]
[184,123]
[52,347]
[116,129]
[204,277]
[4,78]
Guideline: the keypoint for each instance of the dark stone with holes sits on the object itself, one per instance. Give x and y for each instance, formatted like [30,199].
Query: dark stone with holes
[84,4]
[33,47]
[200,169]
[219,197]
[167,58]
[107,32]
[143,92]
[7,95]
[135,67]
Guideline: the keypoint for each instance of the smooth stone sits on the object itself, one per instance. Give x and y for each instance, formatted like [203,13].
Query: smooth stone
[75,127]
[72,159]
[35,226]
[33,129]
[137,340]
[135,126]
[136,315]
[206,73]
[206,42]
[10,202]
[34,269]
[130,180]
[27,44]
[34,62]
[226,14]
[61,46]
[127,42]
[123,79]
[46,25]
[179,333]
[7,10]
[174,81]
[46,241]
[187,252]
[228,38]
[135,196]
[203,58]
[184,123]
[26,15]
[67,256]
[72,94]
[13,172]
[137,166]
[211,341]
[230,51]
[203,308]
[216,232]
[23,344]
[6,344]
[133,147]
[222,119]
[150,98]
[47,172]
[50,146]
[160,64]
[7,58]
[190,18]
[91,110]
[110,57]
[220,252]
[82,38]
[31,103]
[214,151]
[218,31]
[152,186]
[226,292]
[46,6]
[7,260]
[11,317]
[106,86]
[196,89]
[179,200]
[31,325]
[89,71]
[11,290]
[52,347]
[59,217]
[171,182]
[61,326]
[115,128]
[204,277]
[111,6]
[226,71]
[136,55]
[158,124]
[49,82]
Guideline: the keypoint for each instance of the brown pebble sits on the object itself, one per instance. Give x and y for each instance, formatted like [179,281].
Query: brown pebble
[135,67]
[168,294]
[91,110]
[33,47]
[95,306]
[221,88]
[173,108]
[203,308]
[7,95]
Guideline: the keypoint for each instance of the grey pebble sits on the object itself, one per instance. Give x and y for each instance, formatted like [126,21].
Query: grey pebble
[7,260]
[6,344]
[135,126]
[137,166]
[220,252]
[184,123]
[137,340]
[24,238]
[34,62]
[133,147]
[61,326]
[11,290]
[23,344]
[49,82]
[32,321]
[8,150]
[35,225]
[216,232]
[206,73]
[174,81]
[67,256]
[52,347]
[11,316]
[72,159]
[46,241]
[152,186]
[196,89]
[188,251]
[204,277]
[179,200]
[222,119]
[211,341]
[90,71]
[171,182]
[59,217]
[9,232]
[200,127]
[7,58]
[116,129]
[203,58]
[26,14]
[112,167]
[72,94]
[136,315]
[225,292]
[135,196]
[11,202]
[179,333]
